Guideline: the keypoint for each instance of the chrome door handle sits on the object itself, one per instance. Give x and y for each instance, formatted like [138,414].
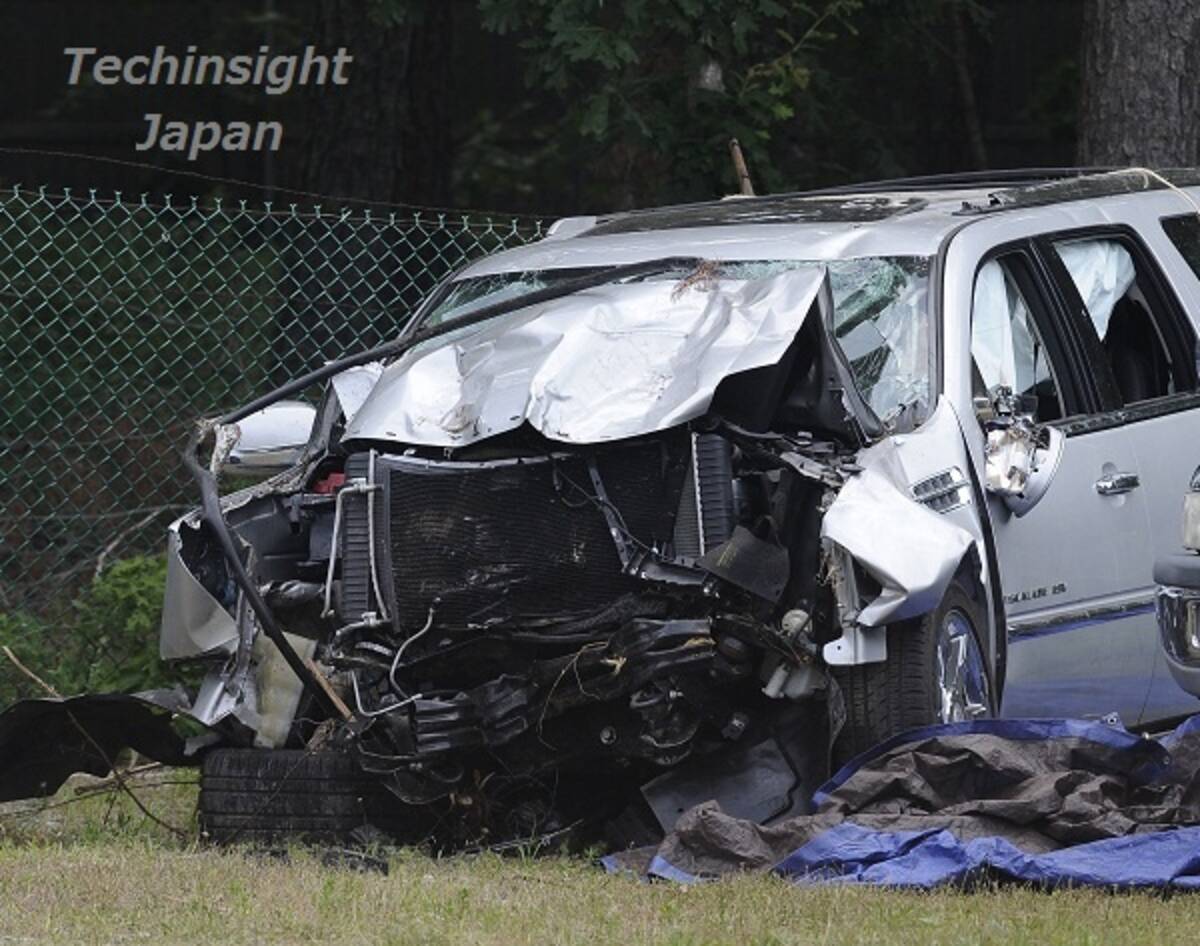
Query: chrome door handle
[1115,483]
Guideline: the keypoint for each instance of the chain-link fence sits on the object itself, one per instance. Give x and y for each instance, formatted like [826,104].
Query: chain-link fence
[121,322]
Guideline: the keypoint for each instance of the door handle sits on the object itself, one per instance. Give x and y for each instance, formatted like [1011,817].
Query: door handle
[1115,483]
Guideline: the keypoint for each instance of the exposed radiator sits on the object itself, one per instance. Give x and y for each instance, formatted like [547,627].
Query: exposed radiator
[521,541]
[706,507]
[526,541]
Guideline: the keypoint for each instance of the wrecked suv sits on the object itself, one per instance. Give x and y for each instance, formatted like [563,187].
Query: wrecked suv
[680,504]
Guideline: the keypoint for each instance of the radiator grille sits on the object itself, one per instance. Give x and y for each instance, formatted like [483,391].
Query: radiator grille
[517,541]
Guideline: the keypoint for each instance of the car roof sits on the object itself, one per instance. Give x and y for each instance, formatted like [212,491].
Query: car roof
[903,217]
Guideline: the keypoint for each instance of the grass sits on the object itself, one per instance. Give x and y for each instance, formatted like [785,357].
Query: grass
[97,870]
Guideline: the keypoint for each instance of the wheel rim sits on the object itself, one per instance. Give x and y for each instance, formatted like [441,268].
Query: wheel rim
[962,681]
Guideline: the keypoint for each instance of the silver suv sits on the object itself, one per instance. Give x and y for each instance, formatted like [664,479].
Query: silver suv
[653,507]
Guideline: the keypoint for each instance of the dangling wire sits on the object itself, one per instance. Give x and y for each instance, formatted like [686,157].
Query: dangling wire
[403,647]
[363,711]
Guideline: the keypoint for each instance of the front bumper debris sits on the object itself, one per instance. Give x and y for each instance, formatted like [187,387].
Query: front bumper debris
[44,741]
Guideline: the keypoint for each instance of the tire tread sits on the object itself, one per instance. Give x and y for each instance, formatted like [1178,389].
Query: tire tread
[887,698]
[259,795]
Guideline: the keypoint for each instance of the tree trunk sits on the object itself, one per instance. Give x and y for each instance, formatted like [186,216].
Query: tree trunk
[961,56]
[1141,64]
[385,136]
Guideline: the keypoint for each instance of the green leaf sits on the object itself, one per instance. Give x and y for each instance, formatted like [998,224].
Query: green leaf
[593,119]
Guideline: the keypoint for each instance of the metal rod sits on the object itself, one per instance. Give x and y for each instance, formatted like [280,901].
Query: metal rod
[351,488]
[372,487]
[211,506]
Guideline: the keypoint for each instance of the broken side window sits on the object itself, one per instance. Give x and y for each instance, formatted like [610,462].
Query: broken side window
[1112,291]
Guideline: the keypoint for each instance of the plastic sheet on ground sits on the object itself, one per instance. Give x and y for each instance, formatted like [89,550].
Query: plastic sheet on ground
[1048,802]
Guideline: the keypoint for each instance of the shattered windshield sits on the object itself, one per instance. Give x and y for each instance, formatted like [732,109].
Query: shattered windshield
[468,295]
[880,318]
[881,321]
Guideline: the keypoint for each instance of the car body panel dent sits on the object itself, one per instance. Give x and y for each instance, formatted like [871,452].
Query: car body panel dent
[354,385]
[911,551]
[877,521]
[602,365]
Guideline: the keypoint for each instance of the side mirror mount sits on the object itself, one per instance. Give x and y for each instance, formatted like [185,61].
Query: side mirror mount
[271,440]
[1022,455]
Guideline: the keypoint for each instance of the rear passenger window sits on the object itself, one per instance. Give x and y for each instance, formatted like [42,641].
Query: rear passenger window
[1184,232]
[1119,302]
[1006,347]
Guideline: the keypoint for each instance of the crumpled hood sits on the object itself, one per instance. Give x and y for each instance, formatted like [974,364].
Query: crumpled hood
[600,365]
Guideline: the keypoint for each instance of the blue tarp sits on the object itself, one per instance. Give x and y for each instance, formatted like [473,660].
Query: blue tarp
[848,854]
[1048,802]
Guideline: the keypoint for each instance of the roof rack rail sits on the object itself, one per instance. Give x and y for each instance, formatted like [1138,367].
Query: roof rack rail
[966,180]
[1002,189]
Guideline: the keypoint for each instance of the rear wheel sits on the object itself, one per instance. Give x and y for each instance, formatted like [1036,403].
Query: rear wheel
[935,672]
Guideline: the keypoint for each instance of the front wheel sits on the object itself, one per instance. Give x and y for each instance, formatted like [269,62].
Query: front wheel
[935,672]
[273,795]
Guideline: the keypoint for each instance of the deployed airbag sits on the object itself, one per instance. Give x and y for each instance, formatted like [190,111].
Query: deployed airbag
[1102,271]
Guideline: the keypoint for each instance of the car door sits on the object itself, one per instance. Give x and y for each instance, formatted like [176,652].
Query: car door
[1070,568]
[1143,354]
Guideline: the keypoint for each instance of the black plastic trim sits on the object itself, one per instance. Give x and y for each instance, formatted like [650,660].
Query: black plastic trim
[1178,570]
[1143,410]
[965,180]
